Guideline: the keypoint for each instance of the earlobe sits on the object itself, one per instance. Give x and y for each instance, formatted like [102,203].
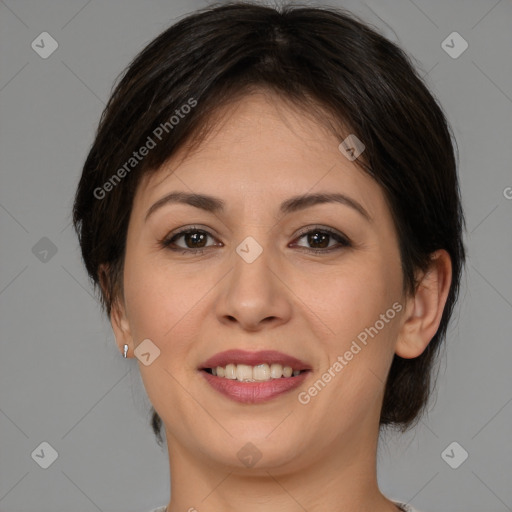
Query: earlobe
[120,326]
[424,311]
[118,318]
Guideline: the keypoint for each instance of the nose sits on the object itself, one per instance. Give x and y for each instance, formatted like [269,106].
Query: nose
[253,295]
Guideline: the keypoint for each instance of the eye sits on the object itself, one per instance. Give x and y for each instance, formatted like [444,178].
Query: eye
[320,239]
[194,240]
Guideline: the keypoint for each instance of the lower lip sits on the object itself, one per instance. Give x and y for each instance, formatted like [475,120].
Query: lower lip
[253,392]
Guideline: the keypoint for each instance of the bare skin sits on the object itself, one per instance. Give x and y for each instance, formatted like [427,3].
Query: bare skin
[316,456]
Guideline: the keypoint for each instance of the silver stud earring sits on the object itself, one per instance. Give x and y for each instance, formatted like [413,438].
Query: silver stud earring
[125,351]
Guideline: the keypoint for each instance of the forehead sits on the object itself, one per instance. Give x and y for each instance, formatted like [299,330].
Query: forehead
[262,147]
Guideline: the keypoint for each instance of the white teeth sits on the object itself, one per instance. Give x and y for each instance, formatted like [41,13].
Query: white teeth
[276,371]
[243,372]
[230,372]
[260,373]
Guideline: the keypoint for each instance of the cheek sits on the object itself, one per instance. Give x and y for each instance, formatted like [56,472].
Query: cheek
[157,298]
[359,311]
[161,305]
[169,306]
[358,295]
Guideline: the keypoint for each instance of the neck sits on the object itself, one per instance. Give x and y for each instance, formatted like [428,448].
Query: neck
[341,480]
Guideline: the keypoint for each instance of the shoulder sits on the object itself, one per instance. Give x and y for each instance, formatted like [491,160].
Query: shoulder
[159,509]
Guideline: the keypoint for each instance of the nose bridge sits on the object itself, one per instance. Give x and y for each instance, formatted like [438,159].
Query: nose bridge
[252,278]
[253,291]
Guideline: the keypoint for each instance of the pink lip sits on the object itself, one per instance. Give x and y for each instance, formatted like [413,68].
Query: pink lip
[253,392]
[253,359]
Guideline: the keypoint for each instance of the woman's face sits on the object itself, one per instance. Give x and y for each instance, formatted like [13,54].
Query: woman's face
[255,283]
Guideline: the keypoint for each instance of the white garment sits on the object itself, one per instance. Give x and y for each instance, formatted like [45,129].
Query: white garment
[407,508]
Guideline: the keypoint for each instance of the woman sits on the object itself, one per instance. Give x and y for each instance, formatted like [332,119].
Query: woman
[271,211]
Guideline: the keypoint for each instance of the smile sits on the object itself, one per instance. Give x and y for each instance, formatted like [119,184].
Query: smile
[253,377]
[259,373]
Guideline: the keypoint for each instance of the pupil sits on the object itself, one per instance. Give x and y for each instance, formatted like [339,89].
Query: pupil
[312,239]
[196,237]
[320,239]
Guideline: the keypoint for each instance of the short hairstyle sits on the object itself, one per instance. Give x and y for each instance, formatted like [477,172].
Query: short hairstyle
[324,61]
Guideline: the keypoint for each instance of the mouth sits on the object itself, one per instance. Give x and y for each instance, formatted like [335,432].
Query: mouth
[253,377]
[259,373]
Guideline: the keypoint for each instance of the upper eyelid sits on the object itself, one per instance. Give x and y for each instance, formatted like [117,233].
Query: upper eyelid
[331,231]
[302,232]
[190,229]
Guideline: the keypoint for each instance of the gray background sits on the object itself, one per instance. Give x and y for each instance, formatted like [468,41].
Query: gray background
[62,379]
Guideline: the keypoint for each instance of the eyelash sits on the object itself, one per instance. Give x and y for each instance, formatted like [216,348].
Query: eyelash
[344,242]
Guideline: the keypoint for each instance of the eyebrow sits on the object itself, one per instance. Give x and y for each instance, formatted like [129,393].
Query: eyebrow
[296,203]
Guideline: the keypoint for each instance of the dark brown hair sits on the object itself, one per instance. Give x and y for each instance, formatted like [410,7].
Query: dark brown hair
[323,60]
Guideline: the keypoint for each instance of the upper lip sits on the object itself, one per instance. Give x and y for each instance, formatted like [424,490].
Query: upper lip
[253,359]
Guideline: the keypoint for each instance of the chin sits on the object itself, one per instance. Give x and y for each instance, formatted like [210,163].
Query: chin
[254,449]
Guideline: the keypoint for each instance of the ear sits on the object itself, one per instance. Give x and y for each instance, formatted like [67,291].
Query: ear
[424,310]
[118,318]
